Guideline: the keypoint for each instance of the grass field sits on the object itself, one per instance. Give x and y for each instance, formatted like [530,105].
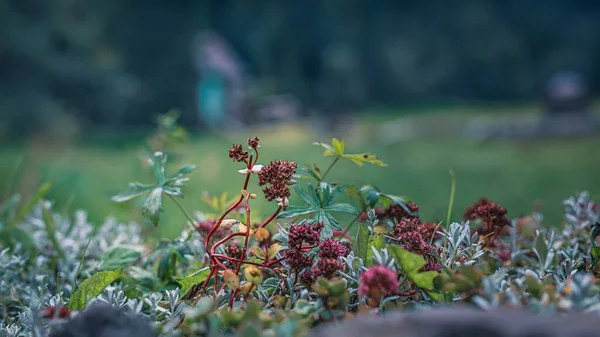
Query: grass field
[516,174]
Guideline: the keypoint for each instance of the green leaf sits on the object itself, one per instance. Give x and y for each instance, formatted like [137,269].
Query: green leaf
[595,252]
[144,277]
[92,287]
[190,281]
[314,171]
[411,264]
[341,207]
[120,257]
[361,158]
[376,241]
[327,219]
[334,194]
[307,197]
[167,266]
[354,193]
[136,189]
[185,170]
[362,242]
[371,195]
[338,146]
[293,211]
[153,205]
[158,167]
[329,150]
[326,233]
[395,200]
[539,247]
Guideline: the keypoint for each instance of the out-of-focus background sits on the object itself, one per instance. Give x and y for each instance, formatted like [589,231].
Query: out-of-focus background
[501,92]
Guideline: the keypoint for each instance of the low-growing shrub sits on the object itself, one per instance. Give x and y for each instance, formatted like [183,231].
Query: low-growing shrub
[285,273]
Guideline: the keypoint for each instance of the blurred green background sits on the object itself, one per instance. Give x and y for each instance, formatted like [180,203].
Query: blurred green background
[516,174]
[82,81]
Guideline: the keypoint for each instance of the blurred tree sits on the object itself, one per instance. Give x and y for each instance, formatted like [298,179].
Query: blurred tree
[119,63]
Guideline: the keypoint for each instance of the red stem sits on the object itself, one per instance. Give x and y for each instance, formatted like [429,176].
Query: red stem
[247,237]
[231,208]
[270,218]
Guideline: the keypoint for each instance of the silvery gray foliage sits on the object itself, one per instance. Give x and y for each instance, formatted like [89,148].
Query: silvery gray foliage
[382,257]
[10,330]
[461,244]
[27,283]
[114,296]
[175,308]
[580,211]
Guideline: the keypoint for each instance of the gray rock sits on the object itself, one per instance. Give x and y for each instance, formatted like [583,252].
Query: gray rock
[462,322]
[102,320]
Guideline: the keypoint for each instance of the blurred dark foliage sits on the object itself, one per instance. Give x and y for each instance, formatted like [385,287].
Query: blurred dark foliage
[118,63]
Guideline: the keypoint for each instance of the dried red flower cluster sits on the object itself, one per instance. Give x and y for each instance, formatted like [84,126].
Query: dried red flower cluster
[205,227]
[324,267]
[329,252]
[297,259]
[51,312]
[397,212]
[305,233]
[394,212]
[236,253]
[415,237]
[238,154]
[492,216]
[332,249]
[278,174]
[378,281]
[253,143]
[298,235]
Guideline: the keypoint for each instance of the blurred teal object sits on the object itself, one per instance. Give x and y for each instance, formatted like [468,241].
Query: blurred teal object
[211,99]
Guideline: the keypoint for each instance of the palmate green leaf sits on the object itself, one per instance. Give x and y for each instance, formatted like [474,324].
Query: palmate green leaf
[189,281]
[329,150]
[390,199]
[137,189]
[337,149]
[338,146]
[332,195]
[92,287]
[157,163]
[370,194]
[311,199]
[327,219]
[187,169]
[170,186]
[120,257]
[294,210]
[411,264]
[362,158]
[341,207]
[153,205]
[320,202]
[373,196]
